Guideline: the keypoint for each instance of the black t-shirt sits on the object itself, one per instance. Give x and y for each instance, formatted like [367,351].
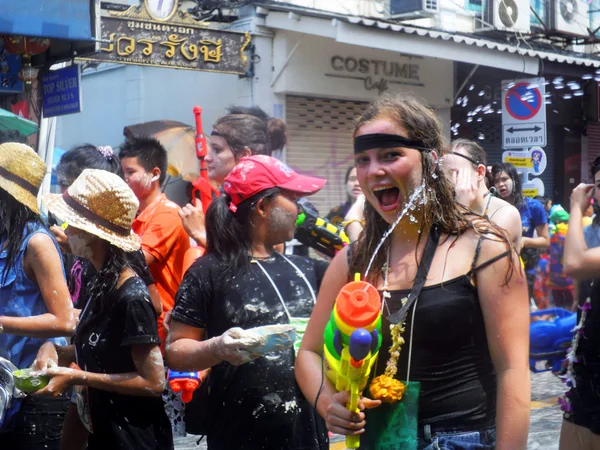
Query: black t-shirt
[103,345]
[81,273]
[257,405]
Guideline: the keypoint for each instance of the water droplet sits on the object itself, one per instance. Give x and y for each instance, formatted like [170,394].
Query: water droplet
[479,119]
[413,219]
[469,119]
[434,176]
[459,100]
[587,76]
[471,87]
[481,93]
[481,136]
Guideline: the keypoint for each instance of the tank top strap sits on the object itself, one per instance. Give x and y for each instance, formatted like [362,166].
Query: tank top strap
[476,255]
[475,267]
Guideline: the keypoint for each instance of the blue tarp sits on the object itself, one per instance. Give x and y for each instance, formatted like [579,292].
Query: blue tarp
[58,19]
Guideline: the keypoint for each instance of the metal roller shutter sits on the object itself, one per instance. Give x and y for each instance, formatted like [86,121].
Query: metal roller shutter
[320,143]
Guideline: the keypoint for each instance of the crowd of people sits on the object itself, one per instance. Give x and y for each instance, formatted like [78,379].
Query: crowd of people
[97,297]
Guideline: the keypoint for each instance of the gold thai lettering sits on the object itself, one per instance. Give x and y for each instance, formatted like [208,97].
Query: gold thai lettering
[172,42]
[131,24]
[128,49]
[149,45]
[111,46]
[190,53]
[213,55]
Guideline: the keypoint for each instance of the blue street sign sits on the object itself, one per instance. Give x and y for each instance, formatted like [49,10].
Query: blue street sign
[523,102]
[62,91]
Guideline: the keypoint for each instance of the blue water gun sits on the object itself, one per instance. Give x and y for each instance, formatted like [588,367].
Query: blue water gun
[550,339]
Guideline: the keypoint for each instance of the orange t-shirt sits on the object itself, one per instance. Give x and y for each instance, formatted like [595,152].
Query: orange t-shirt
[163,236]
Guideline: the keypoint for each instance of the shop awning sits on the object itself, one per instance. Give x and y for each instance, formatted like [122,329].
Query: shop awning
[57,19]
[419,41]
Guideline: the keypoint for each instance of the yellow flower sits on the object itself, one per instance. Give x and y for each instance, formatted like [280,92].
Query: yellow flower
[387,389]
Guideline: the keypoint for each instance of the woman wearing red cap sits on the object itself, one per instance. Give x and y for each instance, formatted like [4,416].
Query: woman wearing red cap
[242,283]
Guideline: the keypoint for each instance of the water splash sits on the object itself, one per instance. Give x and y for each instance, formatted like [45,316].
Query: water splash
[411,201]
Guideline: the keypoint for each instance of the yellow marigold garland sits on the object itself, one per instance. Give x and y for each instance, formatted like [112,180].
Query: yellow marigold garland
[385,387]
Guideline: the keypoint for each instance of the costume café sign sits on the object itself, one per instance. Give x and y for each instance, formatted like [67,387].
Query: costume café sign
[375,73]
[156,33]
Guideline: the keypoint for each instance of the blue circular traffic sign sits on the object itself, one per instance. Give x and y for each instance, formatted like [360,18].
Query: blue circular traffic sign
[523,102]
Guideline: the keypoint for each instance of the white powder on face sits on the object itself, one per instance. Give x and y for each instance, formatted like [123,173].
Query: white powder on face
[80,245]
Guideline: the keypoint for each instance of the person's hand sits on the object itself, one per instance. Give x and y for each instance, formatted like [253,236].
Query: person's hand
[61,379]
[342,421]
[581,196]
[465,185]
[61,237]
[47,357]
[357,210]
[232,346]
[192,219]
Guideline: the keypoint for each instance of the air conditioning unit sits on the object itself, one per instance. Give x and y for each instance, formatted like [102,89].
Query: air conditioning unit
[412,9]
[570,17]
[508,15]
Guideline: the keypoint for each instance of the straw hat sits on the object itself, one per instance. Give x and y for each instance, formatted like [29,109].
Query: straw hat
[100,203]
[21,173]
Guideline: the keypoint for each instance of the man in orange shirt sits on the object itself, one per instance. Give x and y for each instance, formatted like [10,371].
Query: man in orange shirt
[164,241]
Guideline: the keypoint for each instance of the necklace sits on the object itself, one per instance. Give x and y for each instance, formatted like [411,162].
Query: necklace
[385,387]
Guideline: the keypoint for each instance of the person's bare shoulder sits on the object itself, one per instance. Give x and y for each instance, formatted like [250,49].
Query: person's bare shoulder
[506,216]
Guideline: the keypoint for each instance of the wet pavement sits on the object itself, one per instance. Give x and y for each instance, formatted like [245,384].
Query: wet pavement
[544,429]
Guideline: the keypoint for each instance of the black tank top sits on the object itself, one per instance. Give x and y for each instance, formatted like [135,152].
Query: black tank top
[450,355]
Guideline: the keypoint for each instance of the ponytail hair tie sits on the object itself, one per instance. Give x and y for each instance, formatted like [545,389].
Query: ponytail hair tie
[106,151]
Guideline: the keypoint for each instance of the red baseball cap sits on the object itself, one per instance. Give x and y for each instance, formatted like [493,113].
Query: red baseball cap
[257,173]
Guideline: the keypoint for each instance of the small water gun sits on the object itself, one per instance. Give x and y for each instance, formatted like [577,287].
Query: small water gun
[184,382]
[317,232]
[352,340]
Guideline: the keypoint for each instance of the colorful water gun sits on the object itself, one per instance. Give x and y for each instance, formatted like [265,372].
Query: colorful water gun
[352,340]
[184,382]
[317,232]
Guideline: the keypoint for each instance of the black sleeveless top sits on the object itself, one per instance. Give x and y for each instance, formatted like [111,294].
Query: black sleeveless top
[450,355]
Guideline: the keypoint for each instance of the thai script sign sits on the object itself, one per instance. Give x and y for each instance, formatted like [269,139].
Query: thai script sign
[172,45]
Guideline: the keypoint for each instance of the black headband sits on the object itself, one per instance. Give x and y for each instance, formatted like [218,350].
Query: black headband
[380,140]
[468,158]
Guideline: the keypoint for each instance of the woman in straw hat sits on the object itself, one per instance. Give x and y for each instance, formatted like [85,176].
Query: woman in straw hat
[242,283]
[119,373]
[34,299]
